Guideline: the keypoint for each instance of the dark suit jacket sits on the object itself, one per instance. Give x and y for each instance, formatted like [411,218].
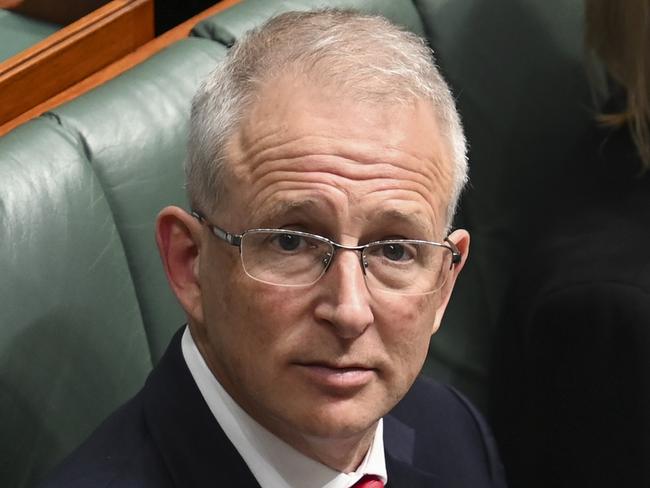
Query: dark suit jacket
[571,395]
[166,436]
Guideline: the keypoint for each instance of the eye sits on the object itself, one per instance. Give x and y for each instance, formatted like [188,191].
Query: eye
[395,252]
[288,242]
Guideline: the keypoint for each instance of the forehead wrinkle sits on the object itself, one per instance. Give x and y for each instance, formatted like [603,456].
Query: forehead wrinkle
[326,173]
[279,125]
[333,168]
[270,160]
[330,186]
[269,148]
[334,186]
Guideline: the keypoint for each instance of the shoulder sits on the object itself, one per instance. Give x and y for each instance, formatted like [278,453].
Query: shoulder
[119,453]
[592,252]
[446,435]
[583,285]
[442,411]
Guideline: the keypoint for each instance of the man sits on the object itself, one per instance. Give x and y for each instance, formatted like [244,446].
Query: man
[325,162]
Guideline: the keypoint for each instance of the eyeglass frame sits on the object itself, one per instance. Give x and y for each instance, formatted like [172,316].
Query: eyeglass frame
[235,240]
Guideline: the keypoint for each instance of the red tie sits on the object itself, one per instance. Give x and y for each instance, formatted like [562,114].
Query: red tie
[369,481]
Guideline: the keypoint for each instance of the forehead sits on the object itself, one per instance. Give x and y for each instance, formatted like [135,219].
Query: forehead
[305,146]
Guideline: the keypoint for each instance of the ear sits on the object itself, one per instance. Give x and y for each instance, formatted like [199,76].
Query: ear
[459,237]
[178,236]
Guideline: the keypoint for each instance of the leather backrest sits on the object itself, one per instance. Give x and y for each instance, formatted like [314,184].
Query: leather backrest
[72,343]
[231,24]
[134,131]
[18,32]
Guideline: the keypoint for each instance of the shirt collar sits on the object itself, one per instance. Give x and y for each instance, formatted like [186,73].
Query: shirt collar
[274,463]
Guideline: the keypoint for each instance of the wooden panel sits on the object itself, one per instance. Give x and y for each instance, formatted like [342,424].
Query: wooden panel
[179,32]
[61,12]
[73,53]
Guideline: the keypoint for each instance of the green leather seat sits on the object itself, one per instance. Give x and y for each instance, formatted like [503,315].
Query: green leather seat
[85,304]
[134,131]
[18,32]
[229,25]
[72,344]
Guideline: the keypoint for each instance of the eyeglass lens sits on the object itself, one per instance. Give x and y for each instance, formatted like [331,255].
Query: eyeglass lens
[284,258]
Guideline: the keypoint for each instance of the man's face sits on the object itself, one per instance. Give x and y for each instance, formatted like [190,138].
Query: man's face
[328,360]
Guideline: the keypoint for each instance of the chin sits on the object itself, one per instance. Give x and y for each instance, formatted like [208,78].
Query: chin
[336,421]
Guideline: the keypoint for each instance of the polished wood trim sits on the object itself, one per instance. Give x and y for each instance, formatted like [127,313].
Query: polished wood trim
[72,54]
[144,52]
[61,12]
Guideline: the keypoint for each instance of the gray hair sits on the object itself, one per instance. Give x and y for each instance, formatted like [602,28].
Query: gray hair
[364,54]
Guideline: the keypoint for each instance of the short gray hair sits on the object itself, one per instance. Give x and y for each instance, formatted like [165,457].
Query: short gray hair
[361,53]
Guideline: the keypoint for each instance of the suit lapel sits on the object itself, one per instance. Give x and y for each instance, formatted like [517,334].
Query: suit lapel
[403,475]
[195,448]
[399,442]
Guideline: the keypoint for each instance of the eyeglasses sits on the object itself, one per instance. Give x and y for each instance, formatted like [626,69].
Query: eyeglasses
[292,258]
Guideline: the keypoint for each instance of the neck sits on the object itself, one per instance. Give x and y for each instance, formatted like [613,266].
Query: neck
[343,454]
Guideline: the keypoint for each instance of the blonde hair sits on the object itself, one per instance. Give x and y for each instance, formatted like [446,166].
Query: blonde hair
[359,53]
[618,32]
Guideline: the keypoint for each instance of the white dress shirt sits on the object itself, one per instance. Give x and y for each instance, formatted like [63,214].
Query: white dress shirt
[273,462]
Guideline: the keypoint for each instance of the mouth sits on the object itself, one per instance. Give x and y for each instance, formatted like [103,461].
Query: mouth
[338,377]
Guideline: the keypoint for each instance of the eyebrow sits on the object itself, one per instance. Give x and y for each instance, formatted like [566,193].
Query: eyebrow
[411,219]
[309,206]
[284,208]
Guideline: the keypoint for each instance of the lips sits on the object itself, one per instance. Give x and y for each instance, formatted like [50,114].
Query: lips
[338,377]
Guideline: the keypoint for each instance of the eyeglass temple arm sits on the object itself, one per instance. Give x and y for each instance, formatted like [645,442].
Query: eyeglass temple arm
[455,253]
[232,239]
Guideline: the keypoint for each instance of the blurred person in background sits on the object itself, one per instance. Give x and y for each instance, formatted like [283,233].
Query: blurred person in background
[575,339]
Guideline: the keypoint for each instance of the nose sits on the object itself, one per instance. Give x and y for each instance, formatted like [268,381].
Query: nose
[345,301]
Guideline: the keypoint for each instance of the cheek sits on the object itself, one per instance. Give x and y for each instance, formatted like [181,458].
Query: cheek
[266,320]
[220,299]
[228,306]
[283,314]
[410,324]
